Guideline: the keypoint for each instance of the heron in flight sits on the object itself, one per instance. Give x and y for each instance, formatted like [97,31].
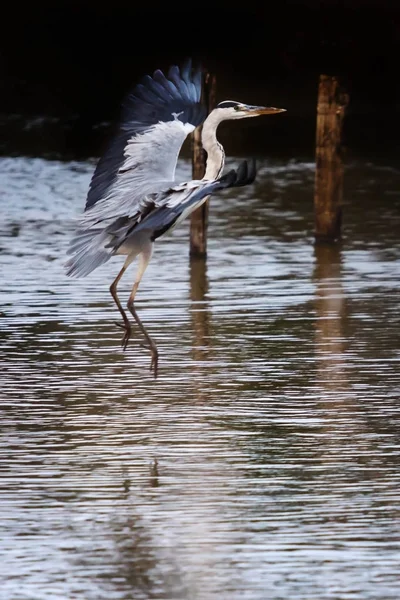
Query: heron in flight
[133,197]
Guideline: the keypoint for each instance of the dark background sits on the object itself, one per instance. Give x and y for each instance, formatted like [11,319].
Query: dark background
[67,65]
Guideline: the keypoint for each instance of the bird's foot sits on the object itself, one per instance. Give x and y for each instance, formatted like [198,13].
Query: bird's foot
[127,334]
[149,346]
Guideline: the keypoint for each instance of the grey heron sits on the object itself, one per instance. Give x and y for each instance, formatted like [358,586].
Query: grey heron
[133,197]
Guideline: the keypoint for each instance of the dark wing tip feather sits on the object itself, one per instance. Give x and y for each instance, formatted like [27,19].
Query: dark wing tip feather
[229,179]
[156,98]
[252,171]
[198,81]
[186,69]
[245,174]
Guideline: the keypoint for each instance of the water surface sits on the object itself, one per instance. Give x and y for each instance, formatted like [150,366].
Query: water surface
[263,463]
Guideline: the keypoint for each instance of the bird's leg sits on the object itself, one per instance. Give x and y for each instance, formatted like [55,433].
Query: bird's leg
[152,346]
[144,259]
[125,325]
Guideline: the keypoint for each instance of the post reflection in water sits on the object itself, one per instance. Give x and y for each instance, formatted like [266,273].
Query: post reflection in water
[343,420]
[199,309]
[330,312]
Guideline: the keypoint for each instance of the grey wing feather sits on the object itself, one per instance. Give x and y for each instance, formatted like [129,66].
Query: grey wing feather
[149,165]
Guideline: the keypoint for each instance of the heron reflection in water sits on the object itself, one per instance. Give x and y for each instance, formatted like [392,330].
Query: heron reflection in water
[133,198]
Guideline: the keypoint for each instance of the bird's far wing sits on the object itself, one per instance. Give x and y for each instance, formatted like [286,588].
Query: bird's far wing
[173,205]
[141,159]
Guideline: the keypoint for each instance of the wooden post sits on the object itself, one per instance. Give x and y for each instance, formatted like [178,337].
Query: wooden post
[332,102]
[199,218]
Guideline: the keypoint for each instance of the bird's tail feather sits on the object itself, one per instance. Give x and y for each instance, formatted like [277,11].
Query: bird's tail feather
[89,252]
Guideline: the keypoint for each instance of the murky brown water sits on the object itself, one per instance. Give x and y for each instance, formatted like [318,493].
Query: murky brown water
[275,419]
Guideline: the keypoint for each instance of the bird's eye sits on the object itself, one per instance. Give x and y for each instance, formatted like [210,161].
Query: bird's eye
[237,107]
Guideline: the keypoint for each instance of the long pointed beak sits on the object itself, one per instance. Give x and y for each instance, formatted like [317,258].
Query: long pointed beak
[263,110]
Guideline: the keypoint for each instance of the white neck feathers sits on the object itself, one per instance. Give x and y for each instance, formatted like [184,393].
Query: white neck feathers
[215,152]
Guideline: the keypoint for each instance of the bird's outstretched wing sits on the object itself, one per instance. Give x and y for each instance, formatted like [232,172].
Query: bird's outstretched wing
[95,245]
[141,159]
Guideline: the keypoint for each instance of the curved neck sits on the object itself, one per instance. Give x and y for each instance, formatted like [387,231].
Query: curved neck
[215,152]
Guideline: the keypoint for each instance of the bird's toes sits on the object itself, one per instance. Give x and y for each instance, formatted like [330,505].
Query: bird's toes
[127,334]
[125,339]
[154,363]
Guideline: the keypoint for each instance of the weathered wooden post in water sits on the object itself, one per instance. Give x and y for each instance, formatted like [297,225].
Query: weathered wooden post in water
[332,102]
[199,218]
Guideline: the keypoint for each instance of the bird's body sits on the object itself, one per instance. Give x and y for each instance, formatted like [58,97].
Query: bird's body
[133,197]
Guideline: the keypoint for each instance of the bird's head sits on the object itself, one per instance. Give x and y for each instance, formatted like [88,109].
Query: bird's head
[230,109]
